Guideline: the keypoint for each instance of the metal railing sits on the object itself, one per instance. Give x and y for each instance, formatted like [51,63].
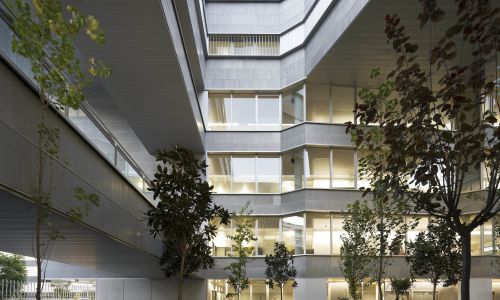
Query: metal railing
[52,290]
[94,130]
[245,45]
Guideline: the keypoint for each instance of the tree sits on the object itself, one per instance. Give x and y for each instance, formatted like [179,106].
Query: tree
[184,216]
[356,252]
[12,268]
[401,287]
[44,33]
[435,255]
[425,163]
[241,250]
[13,274]
[280,268]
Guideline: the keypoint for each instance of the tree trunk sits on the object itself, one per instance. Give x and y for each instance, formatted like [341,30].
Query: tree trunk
[39,200]
[281,291]
[381,254]
[181,277]
[434,285]
[466,266]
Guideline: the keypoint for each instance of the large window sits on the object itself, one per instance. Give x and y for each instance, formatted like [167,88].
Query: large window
[219,168]
[329,104]
[244,174]
[313,167]
[267,234]
[292,164]
[318,233]
[257,289]
[293,106]
[293,233]
[245,112]
[343,168]
[317,168]
[243,178]
[318,103]
[268,174]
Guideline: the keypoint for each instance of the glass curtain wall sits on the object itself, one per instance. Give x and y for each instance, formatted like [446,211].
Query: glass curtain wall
[319,233]
[329,104]
[243,112]
[244,174]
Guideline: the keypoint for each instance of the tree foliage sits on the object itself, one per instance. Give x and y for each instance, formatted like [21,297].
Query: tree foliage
[184,216]
[43,34]
[357,251]
[400,287]
[435,255]
[280,268]
[242,249]
[12,268]
[407,119]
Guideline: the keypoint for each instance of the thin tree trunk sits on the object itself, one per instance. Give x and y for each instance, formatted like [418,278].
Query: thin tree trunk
[381,254]
[434,285]
[39,199]
[281,291]
[181,277]
[466,266]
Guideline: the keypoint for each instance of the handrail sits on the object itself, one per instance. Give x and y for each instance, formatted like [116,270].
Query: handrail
[6,16]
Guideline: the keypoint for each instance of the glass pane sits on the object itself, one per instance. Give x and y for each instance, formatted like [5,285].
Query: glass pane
[475,243]
[243,174]
[93,133]
[342,104]
[121,163]
[216,289]
[258,289]
[268,174]
[133,177]
[318,103]
[292,164]
[293,107]
[219,173]
[488,238]
[221,244]
[268,114]
[219,111]
[318,233]
[293,233]
[243,112]
[423,222]
[343,168]
[337,289]
[317,168]
[268,234]
[337,232]
[472,181]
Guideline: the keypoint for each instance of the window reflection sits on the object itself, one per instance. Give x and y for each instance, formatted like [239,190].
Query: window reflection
[219,168]
[268,113]
[243,112]
[219,111]
[292,164]
[293,107]
[343,168]
[317,169]
[318,233]
[268,234]
[268,174]
[221,244]
[318,103]
[243,174]
[293,233]
[337,232]
[342,104]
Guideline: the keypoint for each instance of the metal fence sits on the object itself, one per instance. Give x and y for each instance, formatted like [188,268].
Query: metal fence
[52,290]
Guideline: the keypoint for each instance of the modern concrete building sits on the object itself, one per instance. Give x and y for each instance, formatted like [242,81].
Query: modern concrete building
[262,88]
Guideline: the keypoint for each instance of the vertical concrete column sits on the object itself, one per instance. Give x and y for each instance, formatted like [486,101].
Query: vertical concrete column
[480,289]
[311,288]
